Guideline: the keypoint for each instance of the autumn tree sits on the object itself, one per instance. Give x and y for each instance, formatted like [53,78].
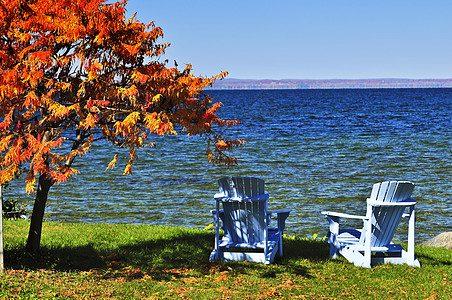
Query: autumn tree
[75,71]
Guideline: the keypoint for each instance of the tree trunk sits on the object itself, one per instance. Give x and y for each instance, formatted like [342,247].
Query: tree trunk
[44,185]
[2,266]
[34,235]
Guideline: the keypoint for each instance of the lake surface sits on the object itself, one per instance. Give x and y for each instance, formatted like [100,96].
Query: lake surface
[316,150]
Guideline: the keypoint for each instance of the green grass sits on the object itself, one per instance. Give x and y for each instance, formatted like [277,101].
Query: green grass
[101,261]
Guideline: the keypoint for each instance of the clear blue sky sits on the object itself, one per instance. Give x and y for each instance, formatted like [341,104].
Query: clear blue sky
[306,39]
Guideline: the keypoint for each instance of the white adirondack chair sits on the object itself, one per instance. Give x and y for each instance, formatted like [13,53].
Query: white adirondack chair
[245,222]
[372,244]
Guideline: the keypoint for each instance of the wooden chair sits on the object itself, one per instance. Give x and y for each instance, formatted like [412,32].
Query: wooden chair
[245,222]
[373,243]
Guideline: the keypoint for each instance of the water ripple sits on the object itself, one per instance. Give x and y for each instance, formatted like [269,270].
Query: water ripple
[316,150]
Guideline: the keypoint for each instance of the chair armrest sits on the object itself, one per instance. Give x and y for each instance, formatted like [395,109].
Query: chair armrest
[342,215]
[409,202]
[333,219]
[279,211]
[214,211]
[219,196]
[258,197]
[255,198]
[282,215]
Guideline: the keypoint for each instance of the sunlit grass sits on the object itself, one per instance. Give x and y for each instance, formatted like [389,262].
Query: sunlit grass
[103,261]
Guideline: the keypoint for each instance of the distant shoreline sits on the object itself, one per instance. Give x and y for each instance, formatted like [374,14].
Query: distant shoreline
[273,84]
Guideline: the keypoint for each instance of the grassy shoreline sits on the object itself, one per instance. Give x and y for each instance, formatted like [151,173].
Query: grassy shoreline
[105,261]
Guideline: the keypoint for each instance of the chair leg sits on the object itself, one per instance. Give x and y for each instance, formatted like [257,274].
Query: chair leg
[333,251]
[280,245]
[217,231]
[410,250]
[332,234]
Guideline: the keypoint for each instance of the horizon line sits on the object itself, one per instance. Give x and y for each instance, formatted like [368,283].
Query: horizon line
[373,78]
[237,83]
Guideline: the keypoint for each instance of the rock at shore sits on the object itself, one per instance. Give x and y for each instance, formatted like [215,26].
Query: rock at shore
[442,240]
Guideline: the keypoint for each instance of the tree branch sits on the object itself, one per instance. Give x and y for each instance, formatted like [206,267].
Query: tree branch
[81,134]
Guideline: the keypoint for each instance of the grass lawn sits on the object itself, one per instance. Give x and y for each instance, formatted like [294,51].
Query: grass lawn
[103,261]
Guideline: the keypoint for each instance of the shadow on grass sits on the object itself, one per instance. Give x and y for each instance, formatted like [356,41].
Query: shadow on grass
[314,250]
[165,258]
[60,259]
[435,256]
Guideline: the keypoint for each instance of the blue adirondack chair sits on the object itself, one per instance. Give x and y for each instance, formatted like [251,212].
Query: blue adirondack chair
[372,244]
[245,222]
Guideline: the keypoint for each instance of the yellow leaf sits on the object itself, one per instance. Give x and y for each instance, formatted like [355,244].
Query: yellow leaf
[156,98]
[112,164]
[132,119]
[128,169]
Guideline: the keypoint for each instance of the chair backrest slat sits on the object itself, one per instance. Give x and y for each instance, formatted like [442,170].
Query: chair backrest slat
[245,219]
[382,192]
[390,191]
[404,191]
[385,220]
[224,186]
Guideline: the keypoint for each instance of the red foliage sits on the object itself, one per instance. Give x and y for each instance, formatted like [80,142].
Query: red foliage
[78,69]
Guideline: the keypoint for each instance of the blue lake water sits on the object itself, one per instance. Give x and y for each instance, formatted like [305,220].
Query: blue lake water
[316,150]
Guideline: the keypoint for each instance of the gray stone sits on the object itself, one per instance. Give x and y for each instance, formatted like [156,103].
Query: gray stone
[442,240]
